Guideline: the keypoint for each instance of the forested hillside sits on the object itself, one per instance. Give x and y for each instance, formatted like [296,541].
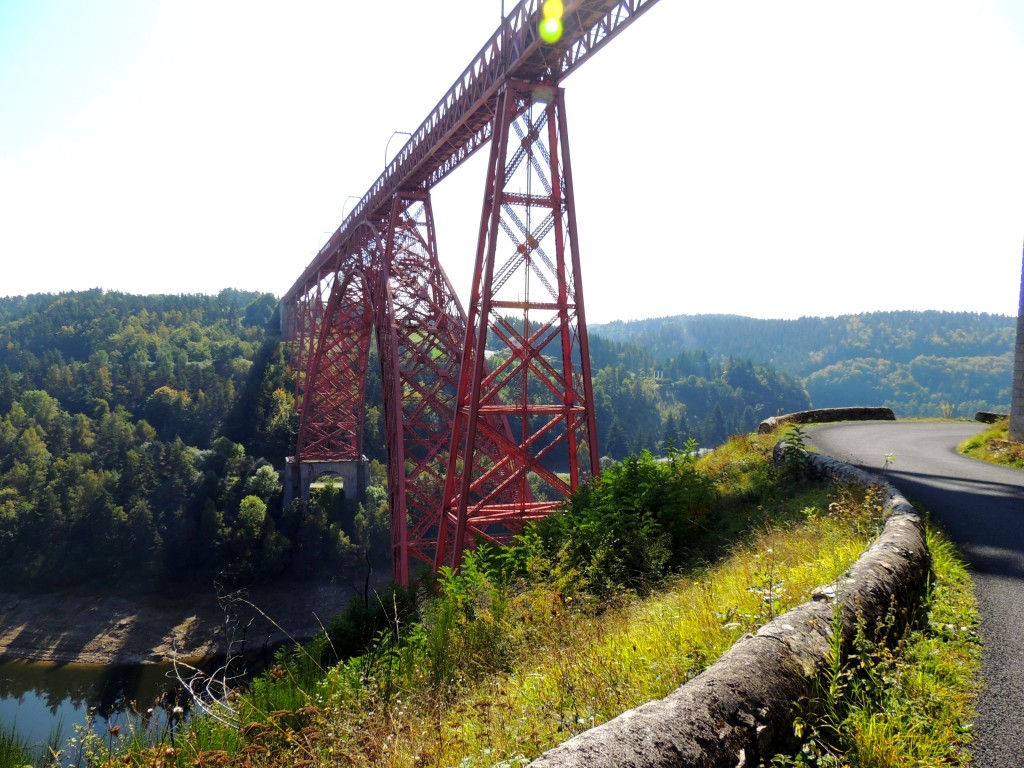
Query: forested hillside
[643,401]
[138,437]
[145,435]
[918,363]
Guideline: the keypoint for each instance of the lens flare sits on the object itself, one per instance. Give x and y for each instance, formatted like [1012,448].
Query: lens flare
[554,9]
[551,26]
[551,30]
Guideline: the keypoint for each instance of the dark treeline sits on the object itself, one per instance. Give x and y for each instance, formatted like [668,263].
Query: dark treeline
[918,363]
[646,399]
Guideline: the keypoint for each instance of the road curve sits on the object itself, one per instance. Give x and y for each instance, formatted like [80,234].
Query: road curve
[981,505]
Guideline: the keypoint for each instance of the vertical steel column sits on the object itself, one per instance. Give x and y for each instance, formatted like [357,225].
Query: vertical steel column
[1016,430]
[420,328]
[308,310]
[526,315]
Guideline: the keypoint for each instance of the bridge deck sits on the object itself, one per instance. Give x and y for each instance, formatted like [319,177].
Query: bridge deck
[461,122]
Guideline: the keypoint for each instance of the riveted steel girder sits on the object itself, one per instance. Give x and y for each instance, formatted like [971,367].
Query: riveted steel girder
[420,331]
[530,414]
[419,334]
[462,121]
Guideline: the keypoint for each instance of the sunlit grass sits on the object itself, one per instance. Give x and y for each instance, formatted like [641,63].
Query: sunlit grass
[546,664]
[583,666]
[595,666]
[994,445]
[912,705]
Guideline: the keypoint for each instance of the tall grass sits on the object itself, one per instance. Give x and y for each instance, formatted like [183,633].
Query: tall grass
[908,705]
[994,444]
[14,753]
[524,648]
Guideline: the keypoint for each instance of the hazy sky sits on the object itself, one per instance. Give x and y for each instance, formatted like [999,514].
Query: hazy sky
[770,159]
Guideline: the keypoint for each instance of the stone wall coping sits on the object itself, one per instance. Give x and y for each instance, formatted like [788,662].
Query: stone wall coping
[988,417]
[820,415]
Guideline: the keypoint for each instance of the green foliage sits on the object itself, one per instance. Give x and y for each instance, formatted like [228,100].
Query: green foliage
[462,631]
[795,466]
[252,513]
[352,632]
[646,403]
[904,701]
[498,662]
[994,444]
[138,437]
[13,753]
[510,655]
[624,530]
[266,483]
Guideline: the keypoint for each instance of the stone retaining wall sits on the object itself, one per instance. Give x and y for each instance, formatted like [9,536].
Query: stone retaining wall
[820,415]
[987,417]
[740,710]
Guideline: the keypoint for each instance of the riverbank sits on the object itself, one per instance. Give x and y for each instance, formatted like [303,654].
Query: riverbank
[81,626]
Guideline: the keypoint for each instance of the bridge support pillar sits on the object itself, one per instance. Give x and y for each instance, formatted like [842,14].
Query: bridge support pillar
[525,311]
[301,476]
[1017,393]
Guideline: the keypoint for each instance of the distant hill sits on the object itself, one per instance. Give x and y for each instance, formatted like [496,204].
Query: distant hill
[918,363]
[643,401]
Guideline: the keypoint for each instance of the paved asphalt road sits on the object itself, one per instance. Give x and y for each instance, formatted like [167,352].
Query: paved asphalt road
[981,505]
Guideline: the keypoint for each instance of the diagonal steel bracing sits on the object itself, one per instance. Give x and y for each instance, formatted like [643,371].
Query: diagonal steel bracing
[462,121]
[419,334]
[526,315]
[420,331]
[334,380]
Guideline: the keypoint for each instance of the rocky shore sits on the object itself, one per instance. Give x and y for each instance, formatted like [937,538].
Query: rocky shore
[84,627]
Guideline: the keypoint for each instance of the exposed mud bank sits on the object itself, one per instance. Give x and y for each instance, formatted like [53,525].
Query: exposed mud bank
[82,627]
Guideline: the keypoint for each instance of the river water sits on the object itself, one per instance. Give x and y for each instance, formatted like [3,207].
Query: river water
[48,703]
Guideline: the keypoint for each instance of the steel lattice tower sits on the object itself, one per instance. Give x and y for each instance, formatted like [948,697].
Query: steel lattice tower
[527,314]
[420,325]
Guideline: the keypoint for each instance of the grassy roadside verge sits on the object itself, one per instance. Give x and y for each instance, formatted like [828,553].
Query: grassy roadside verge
[510,657]
[995,445]
[906,705]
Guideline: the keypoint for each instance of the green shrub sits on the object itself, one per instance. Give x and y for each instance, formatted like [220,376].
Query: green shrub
[352,631]
[624,530]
